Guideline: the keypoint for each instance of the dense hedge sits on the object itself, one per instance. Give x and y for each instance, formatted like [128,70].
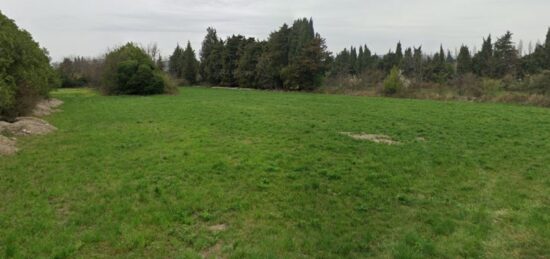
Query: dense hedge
[129,70]
[25,72]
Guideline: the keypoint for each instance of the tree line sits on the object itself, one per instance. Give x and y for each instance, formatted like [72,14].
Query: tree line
[292,58]
[295,57]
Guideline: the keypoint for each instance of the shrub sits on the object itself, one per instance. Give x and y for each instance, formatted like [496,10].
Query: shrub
[26,75]
[393,82]
[491,86]
[540,83]
[129,70]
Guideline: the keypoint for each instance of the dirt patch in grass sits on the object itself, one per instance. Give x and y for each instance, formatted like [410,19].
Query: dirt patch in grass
[376,138]
[46,107]
[7,146]
[218,228]
[25,126]
[213,252]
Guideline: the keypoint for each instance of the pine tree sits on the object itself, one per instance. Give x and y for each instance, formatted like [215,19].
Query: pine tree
[307,72]
[175,62]
[418,63]
[211,57]
[464,61]
[449,59]
[483,60]
[353,60]
[398,54]
[505,56]
[246,72]
[190,65]
[368,61]
[407,65]
[233,49]
[360,59]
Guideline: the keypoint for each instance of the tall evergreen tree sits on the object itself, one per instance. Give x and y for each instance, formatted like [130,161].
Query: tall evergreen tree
[175,62]
[464,61]
[211,57]
[368,61]
[307,71]
[418,63]
[505,56]
[360,60]
[483,60]
[398,53]
[233,49]
[190,65]
[407,64]
[246,72]
[353,60]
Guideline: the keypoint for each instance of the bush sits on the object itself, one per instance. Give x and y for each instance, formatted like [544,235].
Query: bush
[393,83]
[25,72]
[540,83]
[129,70]
[491,87]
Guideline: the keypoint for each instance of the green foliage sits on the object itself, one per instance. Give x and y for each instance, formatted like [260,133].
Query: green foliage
[248,68]
[483,60]
[183,64]
[25,72]
[176,62]
[464,61]
[211,58]
[232,52]
[505,57]
[539,83]
[129,70]
[393,83]
[80,72]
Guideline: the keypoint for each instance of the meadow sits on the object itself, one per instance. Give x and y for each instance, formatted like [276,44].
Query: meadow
[257,174]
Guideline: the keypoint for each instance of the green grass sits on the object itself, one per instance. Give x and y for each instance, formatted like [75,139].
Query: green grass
[147,176]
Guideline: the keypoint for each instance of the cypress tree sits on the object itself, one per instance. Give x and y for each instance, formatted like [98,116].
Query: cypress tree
[367,58]
[464,61]
[231,56]
[175,62]
[190,65]
[482,61]
[360,59]
[398,53]
[248,63]
[407,65]
[353,60]
[418,64]
[505,56]
[211,57]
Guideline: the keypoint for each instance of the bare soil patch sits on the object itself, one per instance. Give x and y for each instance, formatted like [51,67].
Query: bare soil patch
[218,228]
[46,107]
[25,126]
[376,138]
[7,146]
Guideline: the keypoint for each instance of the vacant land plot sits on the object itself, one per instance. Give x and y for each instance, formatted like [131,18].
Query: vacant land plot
[215,172]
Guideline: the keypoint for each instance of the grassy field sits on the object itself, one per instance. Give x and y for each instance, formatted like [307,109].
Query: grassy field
[216,172]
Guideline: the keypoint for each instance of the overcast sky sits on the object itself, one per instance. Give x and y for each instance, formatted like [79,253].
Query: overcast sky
[89,27]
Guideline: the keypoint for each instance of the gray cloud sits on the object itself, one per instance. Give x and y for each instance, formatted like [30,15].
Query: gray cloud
[76,27]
